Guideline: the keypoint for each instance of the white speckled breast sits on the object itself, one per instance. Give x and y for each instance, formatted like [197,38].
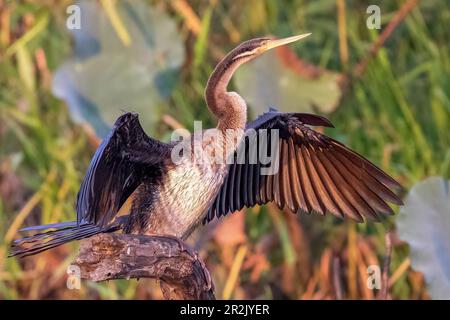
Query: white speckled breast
[186,193]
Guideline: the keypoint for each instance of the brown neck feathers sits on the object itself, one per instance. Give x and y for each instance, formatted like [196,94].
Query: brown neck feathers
[228,107]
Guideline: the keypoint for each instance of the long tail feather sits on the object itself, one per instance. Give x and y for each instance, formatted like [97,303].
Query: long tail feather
[50,226]
[65,232]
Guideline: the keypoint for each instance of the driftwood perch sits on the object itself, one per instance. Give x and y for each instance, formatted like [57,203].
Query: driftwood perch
[121,256]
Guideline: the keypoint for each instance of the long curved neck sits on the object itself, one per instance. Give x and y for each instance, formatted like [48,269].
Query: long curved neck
[229,108]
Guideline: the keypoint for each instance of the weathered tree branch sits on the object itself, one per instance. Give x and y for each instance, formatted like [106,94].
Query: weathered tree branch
[122,256]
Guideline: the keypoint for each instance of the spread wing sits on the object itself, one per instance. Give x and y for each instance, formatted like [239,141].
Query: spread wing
[126,157]
[315,172]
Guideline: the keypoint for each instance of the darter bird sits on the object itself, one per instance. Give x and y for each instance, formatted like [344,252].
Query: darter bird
[314,173]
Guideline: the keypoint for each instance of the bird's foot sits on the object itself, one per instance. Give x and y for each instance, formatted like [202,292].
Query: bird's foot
[193,253]
[183,246]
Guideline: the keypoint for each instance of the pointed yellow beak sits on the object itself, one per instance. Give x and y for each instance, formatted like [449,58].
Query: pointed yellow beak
[281,42]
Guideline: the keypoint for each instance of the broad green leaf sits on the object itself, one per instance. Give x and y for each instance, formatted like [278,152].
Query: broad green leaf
[424,223]
[106,76]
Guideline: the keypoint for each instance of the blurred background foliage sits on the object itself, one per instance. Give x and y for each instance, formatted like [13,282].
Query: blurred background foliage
[60,90]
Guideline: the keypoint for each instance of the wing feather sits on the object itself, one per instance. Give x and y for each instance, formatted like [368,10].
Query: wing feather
[125,158]
[295,183]
[315,173]
[327,187]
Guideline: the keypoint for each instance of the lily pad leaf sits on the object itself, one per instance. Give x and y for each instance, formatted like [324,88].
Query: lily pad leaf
[424,223]
[274,80]
[107,76]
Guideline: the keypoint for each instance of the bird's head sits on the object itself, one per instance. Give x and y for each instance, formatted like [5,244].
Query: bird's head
[253,48]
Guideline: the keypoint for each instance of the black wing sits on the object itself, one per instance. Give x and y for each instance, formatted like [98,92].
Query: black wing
[315,173]
[125,158]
